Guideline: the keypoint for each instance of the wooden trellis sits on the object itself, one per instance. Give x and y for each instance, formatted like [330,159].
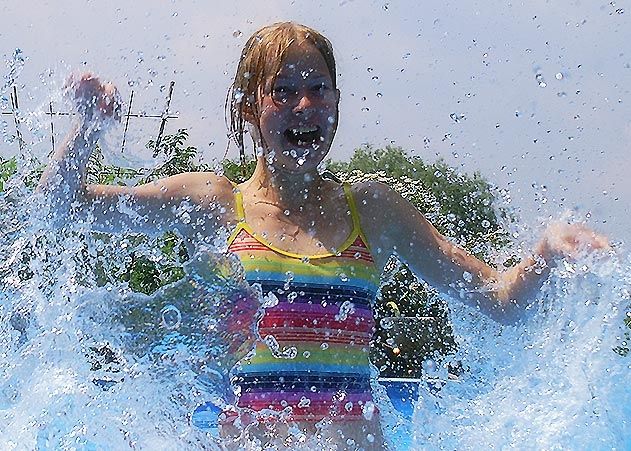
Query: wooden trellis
[164,117]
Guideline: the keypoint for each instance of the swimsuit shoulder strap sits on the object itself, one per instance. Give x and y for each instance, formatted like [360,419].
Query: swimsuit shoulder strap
[350,200]
[240,211]
[238,198]
[352,207]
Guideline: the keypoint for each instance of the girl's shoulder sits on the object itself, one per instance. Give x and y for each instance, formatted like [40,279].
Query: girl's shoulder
[372,194]
[200,187]
[378,206]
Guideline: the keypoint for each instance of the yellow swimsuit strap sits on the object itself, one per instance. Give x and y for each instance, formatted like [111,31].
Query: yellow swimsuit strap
[239,203]
[357,231]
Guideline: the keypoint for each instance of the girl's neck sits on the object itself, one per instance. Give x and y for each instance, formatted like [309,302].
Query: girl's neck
[287,190]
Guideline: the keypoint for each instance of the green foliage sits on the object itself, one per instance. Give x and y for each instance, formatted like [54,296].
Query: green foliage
[402,295]
[29,175]
[235,172]
[178,157]
[7,169]
[101,174]
[624,349]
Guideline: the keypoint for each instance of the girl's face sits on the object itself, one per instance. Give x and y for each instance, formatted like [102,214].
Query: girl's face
[299,111]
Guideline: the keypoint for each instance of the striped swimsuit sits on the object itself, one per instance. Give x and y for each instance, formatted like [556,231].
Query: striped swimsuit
[312,360]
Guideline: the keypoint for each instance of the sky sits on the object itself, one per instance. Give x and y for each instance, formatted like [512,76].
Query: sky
[534,95]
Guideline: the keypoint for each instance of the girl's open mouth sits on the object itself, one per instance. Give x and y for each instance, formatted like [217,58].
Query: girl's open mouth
[303,135]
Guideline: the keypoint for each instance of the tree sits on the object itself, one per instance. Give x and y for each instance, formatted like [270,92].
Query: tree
[467,207]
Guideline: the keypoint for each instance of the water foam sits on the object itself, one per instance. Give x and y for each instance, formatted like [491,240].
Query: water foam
[552,382]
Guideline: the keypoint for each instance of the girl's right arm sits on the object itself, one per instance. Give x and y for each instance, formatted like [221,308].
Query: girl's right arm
[189,203]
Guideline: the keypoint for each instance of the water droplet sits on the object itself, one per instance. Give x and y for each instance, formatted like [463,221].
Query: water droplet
[185,217]
[559,76]
[467,276]
[368,410]
[237,33]
[171,317]
[346,308]
[324,346]
[289,277]
[386,323]
[238,96]
[457,117]
[269,300]
[274,347]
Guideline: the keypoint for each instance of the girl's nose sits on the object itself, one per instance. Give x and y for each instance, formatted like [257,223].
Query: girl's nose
[304,103]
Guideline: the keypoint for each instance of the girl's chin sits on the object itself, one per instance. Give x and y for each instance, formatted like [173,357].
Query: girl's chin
[298,167]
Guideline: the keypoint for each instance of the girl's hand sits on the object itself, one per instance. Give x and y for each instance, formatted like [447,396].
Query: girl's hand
[94,100]
[570,240]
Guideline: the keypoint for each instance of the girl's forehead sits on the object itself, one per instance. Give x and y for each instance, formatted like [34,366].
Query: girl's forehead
[304,60]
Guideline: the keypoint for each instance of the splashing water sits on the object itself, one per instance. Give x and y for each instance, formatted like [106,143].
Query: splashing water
[92,367]
[553,382]
[87,365]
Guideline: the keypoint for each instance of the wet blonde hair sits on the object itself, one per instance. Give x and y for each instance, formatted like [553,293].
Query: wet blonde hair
[261,59]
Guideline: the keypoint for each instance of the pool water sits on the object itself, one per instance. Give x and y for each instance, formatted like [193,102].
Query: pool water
[556,380]
[402,393]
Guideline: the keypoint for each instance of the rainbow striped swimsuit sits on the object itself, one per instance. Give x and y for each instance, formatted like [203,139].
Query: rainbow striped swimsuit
[312,360]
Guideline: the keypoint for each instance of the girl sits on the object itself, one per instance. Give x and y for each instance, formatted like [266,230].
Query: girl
[315,246]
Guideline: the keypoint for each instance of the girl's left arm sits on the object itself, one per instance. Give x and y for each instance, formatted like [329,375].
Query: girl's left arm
[394,226]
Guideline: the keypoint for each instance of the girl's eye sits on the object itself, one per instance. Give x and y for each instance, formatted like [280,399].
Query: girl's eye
[321,88]
[282,93]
